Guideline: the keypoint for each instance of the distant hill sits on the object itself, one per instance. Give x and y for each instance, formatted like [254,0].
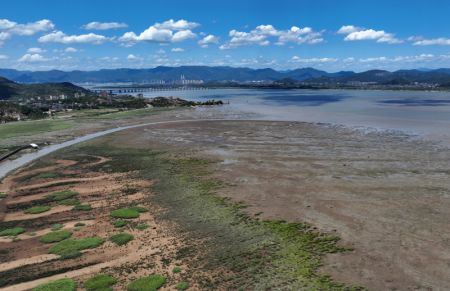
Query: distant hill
[205,73]
[228,74]
[10,89]
[401,77]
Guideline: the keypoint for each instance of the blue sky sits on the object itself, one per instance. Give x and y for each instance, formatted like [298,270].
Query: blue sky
[331,35]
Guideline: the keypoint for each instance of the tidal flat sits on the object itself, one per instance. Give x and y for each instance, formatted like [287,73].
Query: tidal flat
[242,205]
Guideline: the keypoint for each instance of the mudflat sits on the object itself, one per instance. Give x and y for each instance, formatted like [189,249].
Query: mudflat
[385,194]
[247,205]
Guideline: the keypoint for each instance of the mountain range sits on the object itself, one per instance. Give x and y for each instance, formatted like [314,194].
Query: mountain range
[211,74]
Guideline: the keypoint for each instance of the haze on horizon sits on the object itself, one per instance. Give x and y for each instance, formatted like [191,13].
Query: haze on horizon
[327,35]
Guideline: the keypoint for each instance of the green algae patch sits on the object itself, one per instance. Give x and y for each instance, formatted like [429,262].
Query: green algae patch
[62,195]
[71,248]
[125,213]
[37,209]
[121,238]
[150,283]
[55,236]
[12,231]
[101,282]
[57,285]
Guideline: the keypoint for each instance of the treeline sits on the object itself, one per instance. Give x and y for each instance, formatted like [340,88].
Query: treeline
[10,111]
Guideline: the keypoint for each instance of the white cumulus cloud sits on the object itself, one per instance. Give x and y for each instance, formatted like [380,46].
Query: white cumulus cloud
[132,57]
[31,58]
[263,34]
[9,28]
[4,57]
[104,25]
[61,37]
[354,33]
[166,32]
[208,40]
[176,25]
[433,41]
[347,29]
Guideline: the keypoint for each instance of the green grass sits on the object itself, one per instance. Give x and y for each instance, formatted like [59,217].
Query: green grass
[176,270]
[150,283]
[23,128]
[125,213]
[71,248]
[62,195]
[55,236]
[101,282]
[141,226]
[12,231]
[121,238]
[65,284]
[182,286]
[119,223]
[3,195]
[130,113]
[83,207]
[37,209]
[47,175]
[57,226]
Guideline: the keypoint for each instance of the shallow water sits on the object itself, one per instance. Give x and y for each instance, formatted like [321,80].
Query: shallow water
[416,112]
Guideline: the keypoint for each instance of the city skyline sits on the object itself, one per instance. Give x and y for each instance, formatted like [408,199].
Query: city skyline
[257,34]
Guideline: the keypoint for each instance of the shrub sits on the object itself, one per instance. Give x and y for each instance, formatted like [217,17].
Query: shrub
[55,236]
[70,248]
[69,202]
[121,238]
[176,270]
[83,207]
[142,226]
[12,231]
[78,224]
[62,195]
[37,209]
[120,223]
[3,195]
[58,285]
[182,286]
[57,226]
[101,282]
[126,213]
[150,283]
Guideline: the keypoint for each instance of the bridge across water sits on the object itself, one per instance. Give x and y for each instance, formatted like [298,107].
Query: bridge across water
[133,90]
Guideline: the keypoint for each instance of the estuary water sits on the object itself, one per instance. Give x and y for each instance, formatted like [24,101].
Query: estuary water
[422,113]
